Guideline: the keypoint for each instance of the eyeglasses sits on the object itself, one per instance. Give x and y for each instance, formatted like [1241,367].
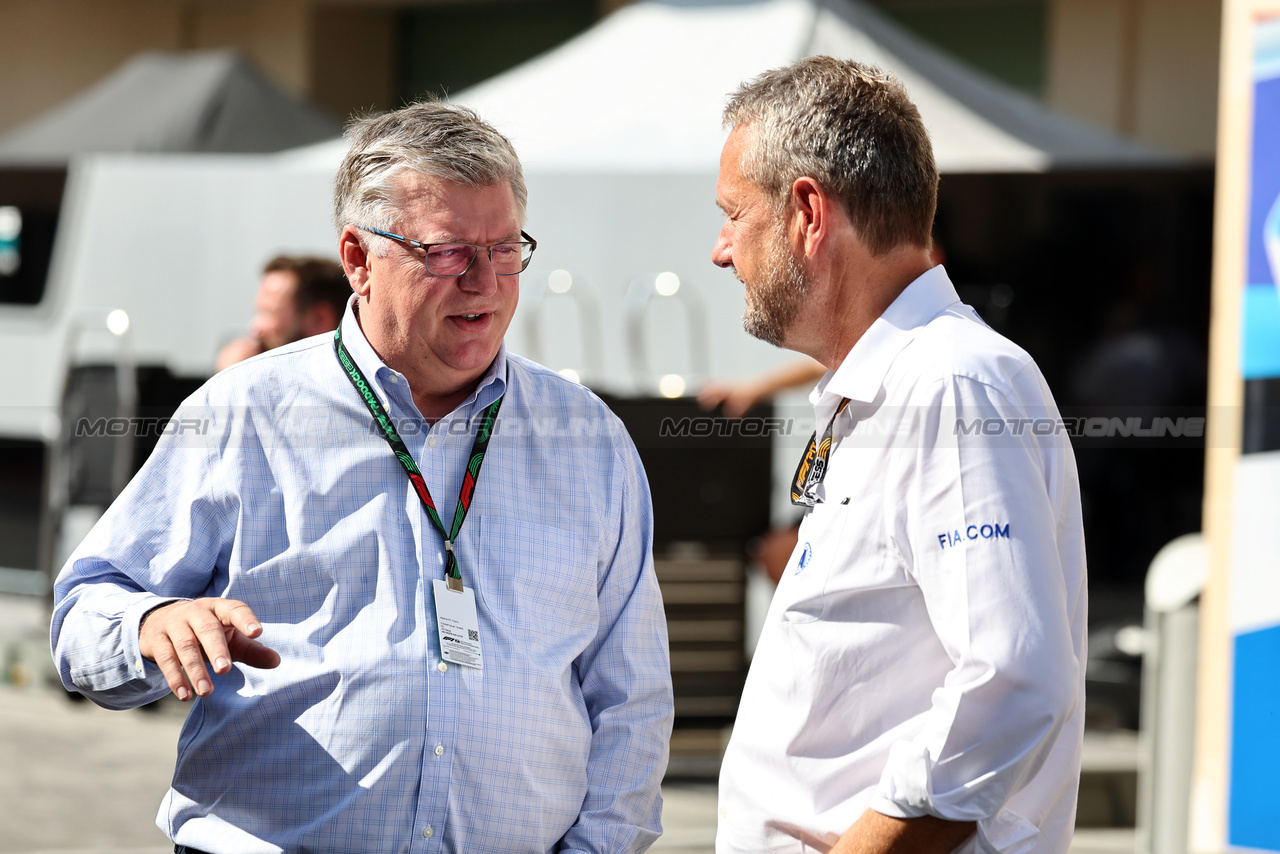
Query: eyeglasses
[454,259]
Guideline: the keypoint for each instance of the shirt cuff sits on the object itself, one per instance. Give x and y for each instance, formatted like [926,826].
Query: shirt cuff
[1005,832]
[893,809]
[130,628]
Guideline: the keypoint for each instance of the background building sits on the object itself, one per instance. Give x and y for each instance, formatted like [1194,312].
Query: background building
[1146,68]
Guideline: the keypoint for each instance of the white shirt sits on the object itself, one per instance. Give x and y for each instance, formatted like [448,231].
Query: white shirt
[924,652]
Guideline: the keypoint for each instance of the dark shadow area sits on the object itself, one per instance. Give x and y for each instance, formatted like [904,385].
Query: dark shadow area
[437,49]
[22,465]
[1104,279]
[29,204]
[709,477]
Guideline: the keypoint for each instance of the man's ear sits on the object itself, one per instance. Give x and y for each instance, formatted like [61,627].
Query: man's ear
[809,216]
[355,260]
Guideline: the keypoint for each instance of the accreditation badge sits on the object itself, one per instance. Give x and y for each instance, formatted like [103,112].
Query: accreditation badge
[458,625]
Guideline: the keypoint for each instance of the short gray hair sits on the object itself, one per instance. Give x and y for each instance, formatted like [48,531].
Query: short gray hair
[850,127]
[430,138]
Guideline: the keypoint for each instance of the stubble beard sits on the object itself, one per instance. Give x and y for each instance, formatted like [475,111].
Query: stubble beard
[774,302]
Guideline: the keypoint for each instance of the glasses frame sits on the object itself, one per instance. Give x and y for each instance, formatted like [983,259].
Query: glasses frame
[417,244]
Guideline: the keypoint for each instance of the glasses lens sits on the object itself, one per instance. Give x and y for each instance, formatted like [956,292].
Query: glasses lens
[449,259]
[511,258]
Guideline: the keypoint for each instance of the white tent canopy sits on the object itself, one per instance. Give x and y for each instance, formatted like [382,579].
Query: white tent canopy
[643,90]
[619,133]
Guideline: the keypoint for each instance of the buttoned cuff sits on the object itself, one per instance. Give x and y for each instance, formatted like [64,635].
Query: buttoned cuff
[130,628]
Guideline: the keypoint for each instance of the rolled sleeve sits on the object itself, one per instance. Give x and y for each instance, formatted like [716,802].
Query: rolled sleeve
[985,554]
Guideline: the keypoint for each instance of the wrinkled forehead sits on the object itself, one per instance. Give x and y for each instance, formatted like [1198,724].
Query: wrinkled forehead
[409,181]
[439,208]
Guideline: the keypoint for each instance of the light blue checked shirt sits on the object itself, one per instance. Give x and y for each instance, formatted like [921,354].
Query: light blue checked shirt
[275,488]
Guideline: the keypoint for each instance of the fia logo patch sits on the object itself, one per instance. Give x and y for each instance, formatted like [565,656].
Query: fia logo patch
[987,531]
[806,558]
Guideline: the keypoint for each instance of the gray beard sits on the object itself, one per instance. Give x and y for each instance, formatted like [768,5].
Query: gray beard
[776,300]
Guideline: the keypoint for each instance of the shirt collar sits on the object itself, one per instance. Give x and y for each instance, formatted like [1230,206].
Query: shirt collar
[492,383]
[861,374]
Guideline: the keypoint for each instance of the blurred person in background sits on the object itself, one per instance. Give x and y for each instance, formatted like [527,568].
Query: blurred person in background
[373,670]
[919,682]
[298,297]
[737,397]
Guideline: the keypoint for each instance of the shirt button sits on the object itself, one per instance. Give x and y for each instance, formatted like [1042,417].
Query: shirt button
[427,831]
[442,667]
[439,750]
[394,378]
[431,441]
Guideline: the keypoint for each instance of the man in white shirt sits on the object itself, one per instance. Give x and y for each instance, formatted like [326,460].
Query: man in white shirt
[919,683]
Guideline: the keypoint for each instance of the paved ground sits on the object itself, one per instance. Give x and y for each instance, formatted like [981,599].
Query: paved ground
[76,779]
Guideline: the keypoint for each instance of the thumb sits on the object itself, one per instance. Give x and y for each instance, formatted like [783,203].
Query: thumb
[252,652]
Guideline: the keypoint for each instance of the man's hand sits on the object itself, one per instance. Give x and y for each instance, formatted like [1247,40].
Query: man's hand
[735,398]
[237,351]
[185,636]
[874,833]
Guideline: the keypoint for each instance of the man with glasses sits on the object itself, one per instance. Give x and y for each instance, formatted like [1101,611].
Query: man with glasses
[919,683]
[404,575]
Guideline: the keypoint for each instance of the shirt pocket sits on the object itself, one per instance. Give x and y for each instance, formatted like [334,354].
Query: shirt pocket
[535,577]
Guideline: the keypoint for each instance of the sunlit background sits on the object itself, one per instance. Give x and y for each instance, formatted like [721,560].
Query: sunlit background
[155,153]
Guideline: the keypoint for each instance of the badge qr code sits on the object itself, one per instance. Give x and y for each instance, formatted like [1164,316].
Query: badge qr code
[458,627]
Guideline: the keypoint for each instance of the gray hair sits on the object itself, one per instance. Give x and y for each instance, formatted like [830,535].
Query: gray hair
[430,138]
[851,128]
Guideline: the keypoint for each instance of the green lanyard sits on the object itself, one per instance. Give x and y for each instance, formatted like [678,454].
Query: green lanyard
[478,448]
[813,465]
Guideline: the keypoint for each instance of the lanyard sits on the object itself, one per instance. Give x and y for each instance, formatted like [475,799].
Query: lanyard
[478,448]
[813,465]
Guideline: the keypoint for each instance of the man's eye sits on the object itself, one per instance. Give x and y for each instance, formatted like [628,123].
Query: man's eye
[506,250]
[449,252]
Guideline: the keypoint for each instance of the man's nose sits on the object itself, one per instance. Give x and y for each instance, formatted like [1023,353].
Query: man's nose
[722,252]
[480,279]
